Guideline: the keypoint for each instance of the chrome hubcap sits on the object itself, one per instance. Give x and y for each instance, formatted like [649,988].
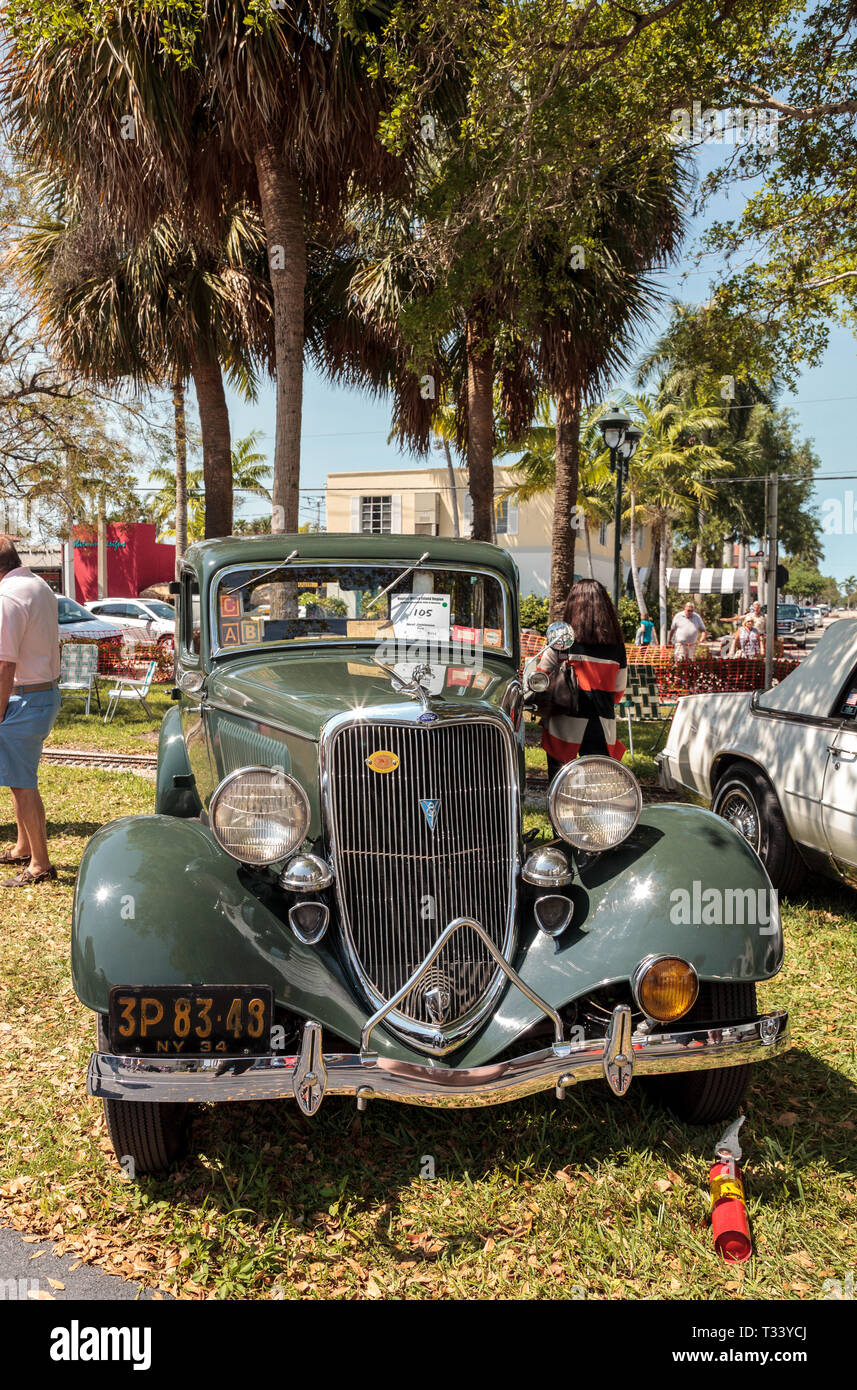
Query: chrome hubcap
[740,811]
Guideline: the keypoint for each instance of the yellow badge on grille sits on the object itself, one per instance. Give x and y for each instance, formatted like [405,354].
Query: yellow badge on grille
[382,760]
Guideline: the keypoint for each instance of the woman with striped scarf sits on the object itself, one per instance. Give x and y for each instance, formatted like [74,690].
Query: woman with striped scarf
[598,660]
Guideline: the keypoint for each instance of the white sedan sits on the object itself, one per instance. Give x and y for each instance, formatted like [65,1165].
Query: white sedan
[141,620]
[780,764]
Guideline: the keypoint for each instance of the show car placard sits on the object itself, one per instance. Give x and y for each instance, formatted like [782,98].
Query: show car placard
[420,617]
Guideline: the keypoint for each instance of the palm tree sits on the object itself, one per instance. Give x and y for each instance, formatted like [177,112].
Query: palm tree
[634,220]
[535,470]
[250,473]
[269,102]
[164,309]
[670,473]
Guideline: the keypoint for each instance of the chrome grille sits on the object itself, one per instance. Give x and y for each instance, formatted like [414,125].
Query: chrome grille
[400,882]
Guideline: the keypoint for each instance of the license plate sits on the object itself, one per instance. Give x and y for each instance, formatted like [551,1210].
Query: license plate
[170,1020]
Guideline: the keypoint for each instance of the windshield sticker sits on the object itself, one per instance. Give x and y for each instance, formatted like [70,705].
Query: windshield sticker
[466,634]
[493,637]
[382,760]
[417,616]
[459,675]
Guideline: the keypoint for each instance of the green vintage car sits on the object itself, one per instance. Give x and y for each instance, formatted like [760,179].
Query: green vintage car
[335,895]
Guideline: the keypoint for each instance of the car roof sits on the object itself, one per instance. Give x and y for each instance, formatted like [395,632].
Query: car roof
[344,547]
[817,681]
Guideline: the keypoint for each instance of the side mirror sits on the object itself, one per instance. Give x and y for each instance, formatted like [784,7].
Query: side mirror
[560,636]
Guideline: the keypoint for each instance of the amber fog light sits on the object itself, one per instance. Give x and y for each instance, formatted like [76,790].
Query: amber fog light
[665,987]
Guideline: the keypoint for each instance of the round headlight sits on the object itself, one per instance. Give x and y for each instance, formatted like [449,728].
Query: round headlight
[259,815]
[665,987]
[594,803]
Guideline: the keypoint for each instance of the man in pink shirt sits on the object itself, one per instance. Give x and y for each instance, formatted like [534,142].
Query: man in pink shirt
[29,704]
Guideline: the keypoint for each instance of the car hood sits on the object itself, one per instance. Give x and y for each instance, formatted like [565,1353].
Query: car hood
[304,690]
[91,627]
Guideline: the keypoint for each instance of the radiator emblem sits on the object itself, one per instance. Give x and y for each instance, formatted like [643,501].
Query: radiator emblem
[382,760]
[430,808]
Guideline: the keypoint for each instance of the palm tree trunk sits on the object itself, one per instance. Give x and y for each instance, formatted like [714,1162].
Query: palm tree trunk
[662,579]
[216,444]
[635,573]
[565,498]
[480,428]
[456,528]
[283,215]
[181,472]
[698,557]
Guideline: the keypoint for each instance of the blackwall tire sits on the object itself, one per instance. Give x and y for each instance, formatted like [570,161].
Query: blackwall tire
[152,1135]
[705,1097]
[746,799]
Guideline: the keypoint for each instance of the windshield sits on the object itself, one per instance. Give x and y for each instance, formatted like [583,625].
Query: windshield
[323,602]
[70,612]
[788,610]
[161,610]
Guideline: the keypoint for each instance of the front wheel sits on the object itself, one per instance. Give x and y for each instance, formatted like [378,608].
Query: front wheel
[705,1097]
[746,799]
[147,1136]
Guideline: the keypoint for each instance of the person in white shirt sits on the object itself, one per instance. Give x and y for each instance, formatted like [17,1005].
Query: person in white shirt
[686,632]
[29,704]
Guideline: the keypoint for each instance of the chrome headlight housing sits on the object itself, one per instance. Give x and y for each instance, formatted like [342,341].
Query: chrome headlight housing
[259,815]
[594,803]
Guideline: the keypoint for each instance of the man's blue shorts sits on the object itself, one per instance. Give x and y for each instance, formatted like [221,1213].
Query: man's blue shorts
[25,726]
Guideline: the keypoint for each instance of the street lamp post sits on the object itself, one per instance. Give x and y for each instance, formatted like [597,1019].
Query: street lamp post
[621,438]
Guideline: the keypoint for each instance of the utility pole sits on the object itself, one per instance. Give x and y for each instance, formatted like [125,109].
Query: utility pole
[771,585]
[101,559]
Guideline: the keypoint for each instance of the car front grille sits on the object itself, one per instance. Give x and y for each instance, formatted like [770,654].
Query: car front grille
[400,881]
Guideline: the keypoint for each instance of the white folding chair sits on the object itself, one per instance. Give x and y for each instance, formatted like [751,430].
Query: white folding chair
[128,689]
[79,671]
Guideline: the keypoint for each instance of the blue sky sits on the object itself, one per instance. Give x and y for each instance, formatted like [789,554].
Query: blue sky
[345,430]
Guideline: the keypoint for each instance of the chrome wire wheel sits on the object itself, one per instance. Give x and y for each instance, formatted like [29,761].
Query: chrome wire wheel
[740,810]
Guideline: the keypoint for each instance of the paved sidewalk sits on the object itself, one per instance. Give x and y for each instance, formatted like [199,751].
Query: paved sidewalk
[22,1277]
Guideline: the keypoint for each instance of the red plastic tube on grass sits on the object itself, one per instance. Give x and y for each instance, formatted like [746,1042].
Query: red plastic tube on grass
[729,1224]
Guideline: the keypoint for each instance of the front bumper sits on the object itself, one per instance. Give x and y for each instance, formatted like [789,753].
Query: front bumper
[310,1075]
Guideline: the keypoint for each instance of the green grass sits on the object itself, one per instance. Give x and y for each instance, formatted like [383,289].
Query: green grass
[130,731]
[589,1198]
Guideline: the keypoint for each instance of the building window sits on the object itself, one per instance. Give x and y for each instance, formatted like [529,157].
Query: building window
[501,516]
[376,515]
[602,533]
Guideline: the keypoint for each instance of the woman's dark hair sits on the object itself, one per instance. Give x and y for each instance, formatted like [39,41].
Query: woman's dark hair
[589,611]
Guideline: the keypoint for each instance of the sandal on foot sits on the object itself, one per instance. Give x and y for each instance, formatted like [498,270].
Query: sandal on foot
[7,857]
[25,879]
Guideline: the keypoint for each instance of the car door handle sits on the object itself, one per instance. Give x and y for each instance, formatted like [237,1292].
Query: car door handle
[845,755]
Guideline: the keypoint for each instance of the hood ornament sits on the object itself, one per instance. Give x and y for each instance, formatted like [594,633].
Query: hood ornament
[412,687]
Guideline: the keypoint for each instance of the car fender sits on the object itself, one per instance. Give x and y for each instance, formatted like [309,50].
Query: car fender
[158,902]
[171,799]
[632,902]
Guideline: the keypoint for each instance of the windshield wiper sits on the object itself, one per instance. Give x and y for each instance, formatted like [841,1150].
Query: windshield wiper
[273,570]
[398,579]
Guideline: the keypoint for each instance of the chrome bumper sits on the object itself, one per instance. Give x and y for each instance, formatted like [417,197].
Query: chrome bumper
[310,1075]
